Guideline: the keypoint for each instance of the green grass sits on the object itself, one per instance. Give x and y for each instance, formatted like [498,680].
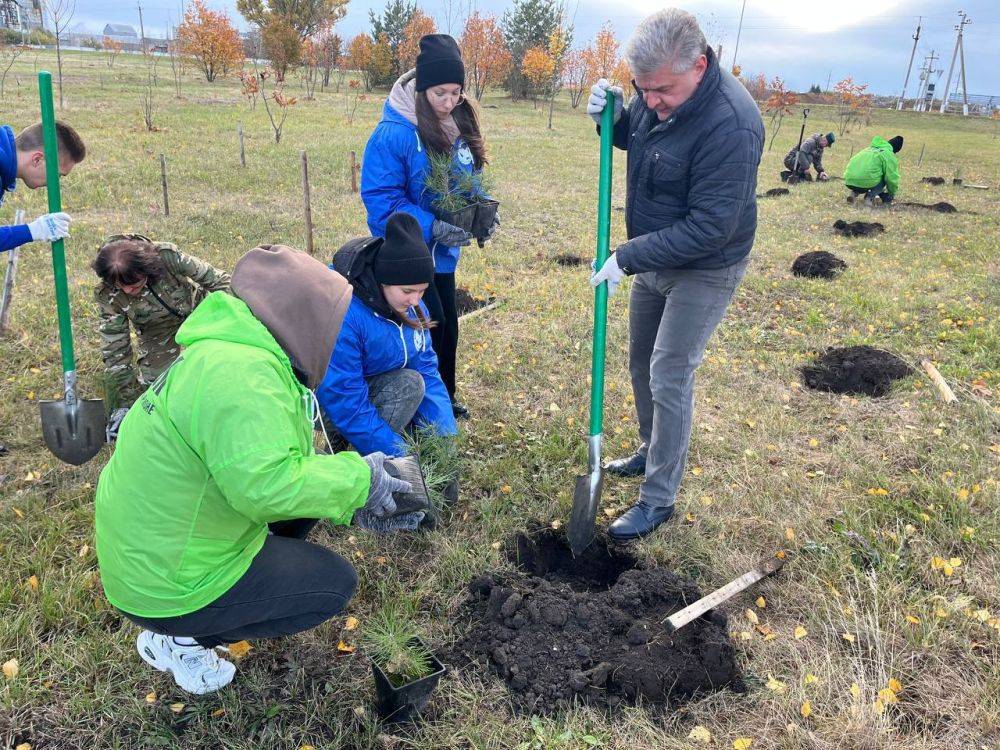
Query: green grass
[871,490]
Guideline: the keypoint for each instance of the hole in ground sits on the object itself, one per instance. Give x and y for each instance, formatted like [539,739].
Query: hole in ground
[555,644]
[933,180]
[465,302]
[857,228]
[775,192]
[569,260]
[862,370]
[942,207]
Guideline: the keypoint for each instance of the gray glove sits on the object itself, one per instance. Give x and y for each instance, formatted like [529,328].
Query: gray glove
[449,235]
[599,97]
[383,484]
[114,422]
[364,519]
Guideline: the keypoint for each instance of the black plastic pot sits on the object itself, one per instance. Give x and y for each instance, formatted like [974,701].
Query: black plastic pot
[404,703]
[463,218]
[486,212]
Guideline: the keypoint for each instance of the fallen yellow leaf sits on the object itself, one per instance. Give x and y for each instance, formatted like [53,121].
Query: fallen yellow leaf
[344,648]
[556,524]
[806,709]
[696,471]
[775,686]
[742,743]
[855,690]
[700,734]
[176,707]
[239,649]
[895,686]
[306,747]
[18,512]
[811,678]
[23,746]
[351,623]
[887,695]
[789,533]
[217,713]
[10,669]
[752,616]
[800,632]
[495,545]
[505,489]
[151,697]
[813,443]
[847,637]
[761,602]
[913,620]
[32,583]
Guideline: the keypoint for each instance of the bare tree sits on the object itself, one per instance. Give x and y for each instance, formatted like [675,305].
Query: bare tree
[146,94]
[8,54]
[60,14]
[455,12]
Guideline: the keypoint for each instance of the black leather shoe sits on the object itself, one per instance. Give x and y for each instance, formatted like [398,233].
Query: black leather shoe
[639,520]
[459,410]
[633,466]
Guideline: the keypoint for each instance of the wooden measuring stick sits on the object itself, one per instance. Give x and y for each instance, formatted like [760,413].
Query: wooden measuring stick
[307,203]
[163,183]
[692,612]
[947,394]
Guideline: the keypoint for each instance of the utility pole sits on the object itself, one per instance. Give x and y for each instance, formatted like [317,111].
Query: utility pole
[829,78]
[739,30]
[142,30]
[965,90]
[909,67]
[918,102]
[951,68]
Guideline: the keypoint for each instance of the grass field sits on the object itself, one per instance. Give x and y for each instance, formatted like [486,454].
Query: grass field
[863,493]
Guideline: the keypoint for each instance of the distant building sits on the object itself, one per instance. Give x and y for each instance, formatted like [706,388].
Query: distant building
[21,15]
[122,32]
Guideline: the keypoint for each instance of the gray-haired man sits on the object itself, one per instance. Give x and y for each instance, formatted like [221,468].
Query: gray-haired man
[694,137]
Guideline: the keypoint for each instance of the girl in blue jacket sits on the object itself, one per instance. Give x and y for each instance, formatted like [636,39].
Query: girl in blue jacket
[383,375]
[426,112]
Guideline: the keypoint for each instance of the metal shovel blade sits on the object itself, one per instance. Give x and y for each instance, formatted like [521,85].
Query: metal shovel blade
[586,499]
[75,433]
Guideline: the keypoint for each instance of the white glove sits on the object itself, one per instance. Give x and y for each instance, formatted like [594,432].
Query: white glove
[611,273]
[50,227]
[599,97]
[115,423]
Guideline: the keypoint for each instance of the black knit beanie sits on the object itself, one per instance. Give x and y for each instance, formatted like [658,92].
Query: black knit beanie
[897,143]
[403,257]
[439,61]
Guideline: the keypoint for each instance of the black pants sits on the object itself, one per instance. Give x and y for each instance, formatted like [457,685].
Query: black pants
[292,585]
[871,192]
[440,301]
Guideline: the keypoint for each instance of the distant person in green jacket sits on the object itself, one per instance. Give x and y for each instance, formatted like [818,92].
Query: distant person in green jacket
[201,513]
[875,172]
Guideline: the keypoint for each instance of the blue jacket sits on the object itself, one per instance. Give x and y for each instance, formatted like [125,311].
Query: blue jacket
[691,179]
[371,343]
[19,234]
[393,172]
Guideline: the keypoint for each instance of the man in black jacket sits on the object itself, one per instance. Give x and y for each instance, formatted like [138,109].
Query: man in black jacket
[694,138]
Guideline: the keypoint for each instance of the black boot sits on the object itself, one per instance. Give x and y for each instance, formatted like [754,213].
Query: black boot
[459,410]
[632,466]
[638,521]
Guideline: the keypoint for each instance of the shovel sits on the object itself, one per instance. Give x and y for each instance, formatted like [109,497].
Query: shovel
[73,429]
[587,493]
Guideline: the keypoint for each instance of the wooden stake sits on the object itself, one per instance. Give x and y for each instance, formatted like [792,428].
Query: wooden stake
[355,170]
[8,280]
[692,612]
[479,311]
[239,134]
[922,147]
[163,182]
[306,203]
[946,393]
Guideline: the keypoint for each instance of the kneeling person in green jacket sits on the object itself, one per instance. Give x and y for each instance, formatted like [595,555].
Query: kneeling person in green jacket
[203,509]
[874,171]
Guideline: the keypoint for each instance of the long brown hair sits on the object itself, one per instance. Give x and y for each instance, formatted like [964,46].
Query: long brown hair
[422,323]
[127,261]
[466,116]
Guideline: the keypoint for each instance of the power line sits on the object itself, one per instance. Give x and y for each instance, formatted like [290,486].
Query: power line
[909,66]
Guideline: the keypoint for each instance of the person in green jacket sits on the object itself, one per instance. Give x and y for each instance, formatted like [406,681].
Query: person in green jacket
[201,513]
[875,171]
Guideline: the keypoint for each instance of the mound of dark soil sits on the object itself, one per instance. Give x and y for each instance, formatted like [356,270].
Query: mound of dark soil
[775,192]
[862,370]
[569,260]
[818,265]
[857,228]
[933,180]
[466,302]
[794,179]
[942,207]
[590,630]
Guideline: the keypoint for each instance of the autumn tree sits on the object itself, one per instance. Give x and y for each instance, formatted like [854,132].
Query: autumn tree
[113,48]
[487,59]
[575,76]
[307,17]
[328,50]
[558,47]
[525,26]
[391,25]
[282,46]
[537,66]
[209,37]
[854,103]
[601,56]
[778,105]
[420,24]
[372,59]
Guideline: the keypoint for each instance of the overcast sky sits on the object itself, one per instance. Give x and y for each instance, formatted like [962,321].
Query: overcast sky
[804,42]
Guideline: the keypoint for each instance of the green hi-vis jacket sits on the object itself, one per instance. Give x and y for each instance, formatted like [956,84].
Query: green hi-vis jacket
[869,167]
[218,446]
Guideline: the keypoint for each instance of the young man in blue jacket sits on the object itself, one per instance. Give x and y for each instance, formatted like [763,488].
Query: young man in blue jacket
[23,157]
[383,375]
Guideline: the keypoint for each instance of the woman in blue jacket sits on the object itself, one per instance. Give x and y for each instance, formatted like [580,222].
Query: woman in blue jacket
[426,112]
[383,375]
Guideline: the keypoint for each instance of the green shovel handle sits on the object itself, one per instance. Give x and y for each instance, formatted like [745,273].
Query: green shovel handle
[55,205]
[603,250]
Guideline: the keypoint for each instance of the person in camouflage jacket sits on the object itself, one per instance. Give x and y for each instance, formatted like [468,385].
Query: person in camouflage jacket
[809,154]
[150,287]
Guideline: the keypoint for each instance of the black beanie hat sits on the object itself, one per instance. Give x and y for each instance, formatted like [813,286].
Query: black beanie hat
[897,143]
[403,257]
[439,61]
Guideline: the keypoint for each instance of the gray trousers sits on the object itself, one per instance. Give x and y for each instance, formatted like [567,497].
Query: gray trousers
[672,315]
[396,396]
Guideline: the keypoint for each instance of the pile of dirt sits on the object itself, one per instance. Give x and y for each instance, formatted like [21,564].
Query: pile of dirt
[569,260]
[857,228]
[818,265]
[775,192]
[466,302]
[590,629]
[933,180]
[942,207]
[862,370]
[794,179]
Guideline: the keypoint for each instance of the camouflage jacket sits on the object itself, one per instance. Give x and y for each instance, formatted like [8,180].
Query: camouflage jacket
[155,314]
[810,153]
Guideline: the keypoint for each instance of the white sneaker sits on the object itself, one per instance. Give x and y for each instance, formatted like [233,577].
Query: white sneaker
[195,668]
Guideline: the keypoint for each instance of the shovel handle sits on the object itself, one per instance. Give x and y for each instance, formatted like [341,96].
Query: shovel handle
[603,250]
[55,205]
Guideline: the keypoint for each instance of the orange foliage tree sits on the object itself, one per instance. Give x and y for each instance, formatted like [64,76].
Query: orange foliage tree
[487,59]
[113,47]
[370,58]
[420,25]
[209,37]
[282,45]
[538,67]
[601,56]
[778,105]
[854,103]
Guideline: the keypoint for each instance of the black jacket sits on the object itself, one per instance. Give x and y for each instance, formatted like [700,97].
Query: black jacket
[691,183]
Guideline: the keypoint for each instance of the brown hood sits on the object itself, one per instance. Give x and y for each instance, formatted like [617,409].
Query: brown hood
[298,299]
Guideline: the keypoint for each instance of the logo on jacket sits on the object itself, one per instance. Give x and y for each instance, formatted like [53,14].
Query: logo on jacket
[464,155]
